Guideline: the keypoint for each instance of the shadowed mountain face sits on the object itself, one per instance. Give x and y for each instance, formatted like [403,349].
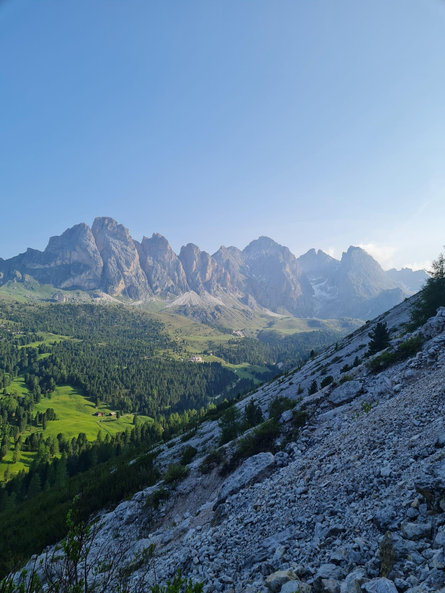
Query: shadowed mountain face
[355,286]
[265,274]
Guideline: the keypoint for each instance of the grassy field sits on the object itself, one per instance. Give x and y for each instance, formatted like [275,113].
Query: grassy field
[75,414]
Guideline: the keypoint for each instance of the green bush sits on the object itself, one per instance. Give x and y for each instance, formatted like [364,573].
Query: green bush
[432,295]
[230,425]
[252,415]
[327,381]
[345,379]
[405,350]
[260,440]
[175,473]
[178,585]
[279,405]
[313,388]
[409,347]
[155,499]
[187,454]
[212,460]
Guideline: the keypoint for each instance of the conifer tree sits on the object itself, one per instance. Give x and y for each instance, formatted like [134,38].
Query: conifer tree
[379,338]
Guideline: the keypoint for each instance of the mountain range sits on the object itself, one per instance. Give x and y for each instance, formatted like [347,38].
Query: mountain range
[264,274]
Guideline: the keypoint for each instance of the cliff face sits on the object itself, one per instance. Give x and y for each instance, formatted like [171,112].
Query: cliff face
[69,261]
[264,274]
[122,273]
[275,278]
[163,268]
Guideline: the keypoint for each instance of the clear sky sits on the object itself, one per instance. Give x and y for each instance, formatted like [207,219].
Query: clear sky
[319,123]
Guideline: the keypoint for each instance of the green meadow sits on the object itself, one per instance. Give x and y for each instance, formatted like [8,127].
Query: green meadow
[75,414]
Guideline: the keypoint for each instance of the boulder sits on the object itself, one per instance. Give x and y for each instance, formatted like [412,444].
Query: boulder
[353,582]
[345,393]
[276,580]
[252,470]
[379,585]
[415,531]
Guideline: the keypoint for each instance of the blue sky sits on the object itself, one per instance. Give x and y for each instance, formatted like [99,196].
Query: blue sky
[318,123]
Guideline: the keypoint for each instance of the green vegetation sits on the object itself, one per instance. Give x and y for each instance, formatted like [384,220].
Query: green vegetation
[379,338]
[432,295]
[154,500]
[87,390]
[212,460]
[279,405]
[187,454]
[68,568]
[313,387]
[259,440]
[405,350]
[175,473]
[326,381]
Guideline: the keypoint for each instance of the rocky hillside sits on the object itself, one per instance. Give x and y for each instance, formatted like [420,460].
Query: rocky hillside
[263,275]
[339,489]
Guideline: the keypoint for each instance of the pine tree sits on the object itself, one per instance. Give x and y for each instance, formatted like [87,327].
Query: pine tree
[313,387]
[379,338]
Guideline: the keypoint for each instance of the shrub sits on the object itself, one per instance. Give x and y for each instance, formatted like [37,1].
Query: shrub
[260,440]
[252,415]
[230,425]
[345,368]
[299,418]
[432,295]
[409,347]
[187,455]
[175,473]
[280,404]
[406,349]
[178,585]
[327,381]
[345,378]
[313,388]
[156,497]
[213,459]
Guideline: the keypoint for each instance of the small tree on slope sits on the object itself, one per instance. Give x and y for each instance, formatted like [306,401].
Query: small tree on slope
[379,338]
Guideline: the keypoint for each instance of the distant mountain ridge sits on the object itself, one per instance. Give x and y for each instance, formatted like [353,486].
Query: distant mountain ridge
[264,274]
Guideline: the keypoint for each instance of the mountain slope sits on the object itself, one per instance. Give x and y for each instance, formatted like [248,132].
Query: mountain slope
[353,500]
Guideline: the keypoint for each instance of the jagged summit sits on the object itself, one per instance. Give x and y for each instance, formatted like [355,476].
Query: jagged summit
[264,274]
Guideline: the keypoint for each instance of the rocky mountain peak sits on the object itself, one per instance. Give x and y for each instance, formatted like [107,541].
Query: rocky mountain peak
[163,268]
[264,246]
[264,273]
[202,271]
[122,273]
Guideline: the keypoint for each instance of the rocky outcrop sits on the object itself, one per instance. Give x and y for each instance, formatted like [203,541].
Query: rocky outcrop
[203,273]
[122,273]
[164,270]
[71,261]
[275,278]
[252,470]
